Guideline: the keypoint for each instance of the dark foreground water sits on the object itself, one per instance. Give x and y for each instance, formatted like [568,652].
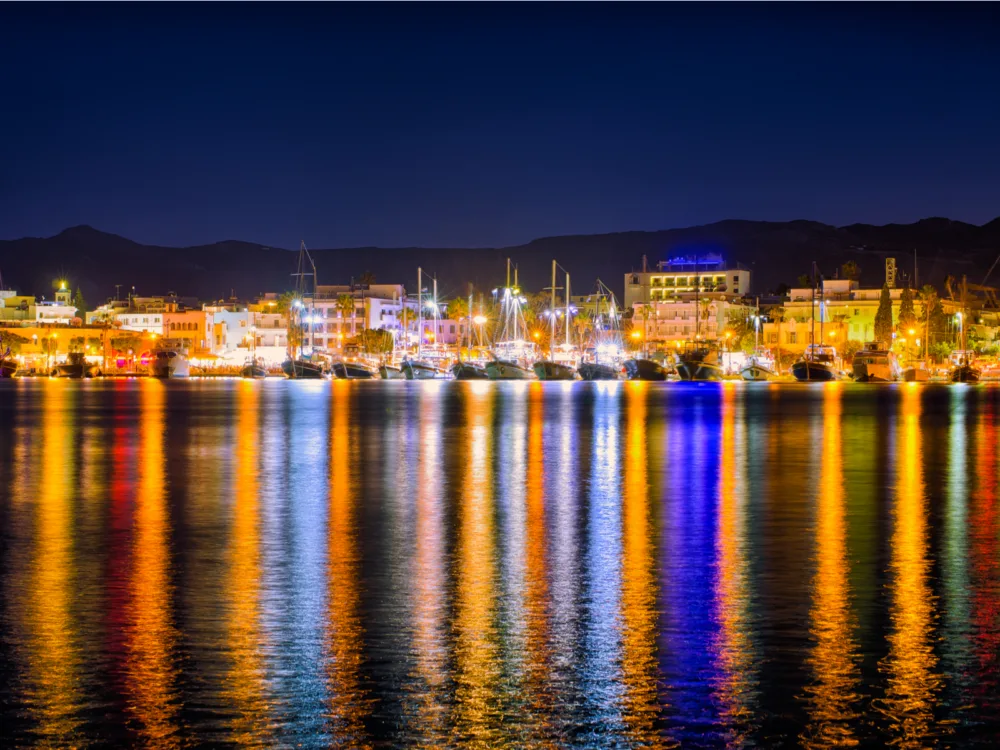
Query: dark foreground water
[432,564]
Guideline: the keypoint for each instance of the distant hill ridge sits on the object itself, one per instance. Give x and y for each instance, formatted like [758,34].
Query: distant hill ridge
[776,252]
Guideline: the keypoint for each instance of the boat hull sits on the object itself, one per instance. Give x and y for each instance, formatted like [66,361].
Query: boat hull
[873,373]
[698,370]
[965,374]
[594,371]
[169,365]
[255,372]
[468,371]
[813,372]
[504,370]
[388,372]
[350,371]
[915,375]
[7,369]
[644,369]
[77,371]
[423,371]
[301,369]
[553,371]
[756,373]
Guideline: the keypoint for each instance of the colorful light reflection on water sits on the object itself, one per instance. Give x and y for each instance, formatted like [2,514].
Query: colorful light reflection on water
[489,564]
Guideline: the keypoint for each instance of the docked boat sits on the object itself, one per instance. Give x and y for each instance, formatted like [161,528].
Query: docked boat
[302,368]
[554,371]
[644,369]
[915,374]
[505,369]
[7,368]
[873,364]
[169,363]
[420,370]
[597,371]
[469,371]
[391,372]
[819,364]
[76,366]
[698,361]
[757,369]
[965,373]
[253,368]
[350,371]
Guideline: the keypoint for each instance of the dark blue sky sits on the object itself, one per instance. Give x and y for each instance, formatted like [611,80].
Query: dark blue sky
[484,125]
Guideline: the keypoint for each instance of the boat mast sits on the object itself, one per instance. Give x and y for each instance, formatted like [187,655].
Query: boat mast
[822,298]
[812,332]
[756,328]
[420,310]
[437,311]
[567,313]
[552,315]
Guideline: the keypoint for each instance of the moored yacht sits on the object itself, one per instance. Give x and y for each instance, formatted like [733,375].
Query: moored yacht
[469,371]
[818,364]
[757,368]
[698,361]
[554,371]
[391,372]
[168,363]
[350,371]
[644,369]
[414,369]
[598,371]
[505,369]
[253,368]
[873,364]
[76,366]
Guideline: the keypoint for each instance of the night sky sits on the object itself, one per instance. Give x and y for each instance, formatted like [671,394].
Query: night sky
[480,125]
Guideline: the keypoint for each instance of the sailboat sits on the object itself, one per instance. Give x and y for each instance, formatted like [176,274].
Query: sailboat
[819,361]
[512,349]
[253,368]
[759,366]
[299,365]
[964,372]
[467,369]
[698,360]
[550,369]
[607,344]
[420,368]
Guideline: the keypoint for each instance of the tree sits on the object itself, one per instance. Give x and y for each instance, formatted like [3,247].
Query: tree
[345,304]
[11,341]
[368,278]
[804,281]
[285,301]
[883,318]
[583,322]
[375,341]
[907,316]
[125,341]
[458,308]
[850,348]
[80,303]
[851,270]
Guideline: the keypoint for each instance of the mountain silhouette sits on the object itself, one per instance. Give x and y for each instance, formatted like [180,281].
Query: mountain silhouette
[776,252]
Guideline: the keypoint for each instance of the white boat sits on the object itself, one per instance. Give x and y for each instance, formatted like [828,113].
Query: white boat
[757,369]
[390,372]
[873,364]
[168,363]
[419,370]
[512,353]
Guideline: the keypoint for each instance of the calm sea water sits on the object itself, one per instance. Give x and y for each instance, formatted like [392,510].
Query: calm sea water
[499,564]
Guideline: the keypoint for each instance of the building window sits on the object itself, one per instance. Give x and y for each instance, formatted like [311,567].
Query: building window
[791,337]
[772,338]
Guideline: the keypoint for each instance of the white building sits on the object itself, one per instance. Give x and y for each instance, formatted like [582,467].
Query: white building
[27,310]
[684,320]
[682,277]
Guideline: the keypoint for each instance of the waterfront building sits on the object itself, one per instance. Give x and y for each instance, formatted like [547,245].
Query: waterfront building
[26,310]
[666,323]
[682,277]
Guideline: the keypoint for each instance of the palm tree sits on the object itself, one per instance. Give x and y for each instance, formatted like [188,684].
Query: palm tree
[584,324]
[851,270]
[458,308]
[345,305]
[368,278]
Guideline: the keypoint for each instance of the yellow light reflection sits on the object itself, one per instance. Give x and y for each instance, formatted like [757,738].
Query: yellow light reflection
[429,643]
[833,661]
[638,602]
[477,672]
[246,690]
[348,705]
[537,652]
[910,663]
[150,670]
[54,669]
[735,687]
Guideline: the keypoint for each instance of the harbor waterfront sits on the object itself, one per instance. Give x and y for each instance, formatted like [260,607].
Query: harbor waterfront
[438,563]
